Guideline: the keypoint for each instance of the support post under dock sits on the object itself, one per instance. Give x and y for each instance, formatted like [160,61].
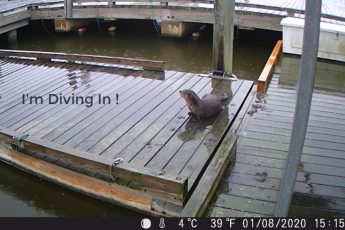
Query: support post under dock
[176,28]
[65,25]
[12,35]
[68,6]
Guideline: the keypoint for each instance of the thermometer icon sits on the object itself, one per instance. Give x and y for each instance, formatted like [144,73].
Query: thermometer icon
[161,223]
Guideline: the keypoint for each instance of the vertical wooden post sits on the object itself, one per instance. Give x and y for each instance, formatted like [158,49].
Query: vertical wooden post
[68,5]
[223,33]
[305,89]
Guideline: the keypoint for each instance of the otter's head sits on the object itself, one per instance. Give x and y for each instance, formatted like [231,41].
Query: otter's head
[189,96]
[182,93]
[185,94]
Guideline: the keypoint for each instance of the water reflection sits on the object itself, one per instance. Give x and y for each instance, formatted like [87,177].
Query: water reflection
[313,206]
[329,75]
[139,39]
[22,194]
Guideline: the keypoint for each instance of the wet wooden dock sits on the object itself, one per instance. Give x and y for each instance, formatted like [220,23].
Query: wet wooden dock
[251,184]
[137,147]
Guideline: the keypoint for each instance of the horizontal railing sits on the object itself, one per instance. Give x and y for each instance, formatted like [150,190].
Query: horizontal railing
[290,11]
[111,3]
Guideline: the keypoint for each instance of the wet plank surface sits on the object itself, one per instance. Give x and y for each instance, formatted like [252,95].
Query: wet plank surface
[254,179]
[146,122]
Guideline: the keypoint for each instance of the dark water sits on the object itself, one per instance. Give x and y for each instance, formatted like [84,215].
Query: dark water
[139,39]
[24,195]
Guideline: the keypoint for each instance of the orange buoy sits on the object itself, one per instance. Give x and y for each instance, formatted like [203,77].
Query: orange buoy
[112,28]
[83,29]
[196,34]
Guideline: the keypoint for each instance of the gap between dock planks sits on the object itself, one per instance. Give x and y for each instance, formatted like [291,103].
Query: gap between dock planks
[175,185]
[264,77]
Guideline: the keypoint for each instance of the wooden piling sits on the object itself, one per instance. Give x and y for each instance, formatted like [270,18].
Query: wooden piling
[223,32]
[68,5]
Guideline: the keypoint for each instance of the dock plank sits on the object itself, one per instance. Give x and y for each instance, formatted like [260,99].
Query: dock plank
[317,129]
[327,203]
[171,119]
[334,142]
[27,79]
[49,114]
[16,97]
[193,167]
[285,134]
[8,68]
[218,211]
[284,147]
[249,180]
[297,210]
[64,122]
[60,120]
[246,191]
[245,204]
[96,143]
[25,110]
[147,104]
[195,140]
[165,142]
[315,174]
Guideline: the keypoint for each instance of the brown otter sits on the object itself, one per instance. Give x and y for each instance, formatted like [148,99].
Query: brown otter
[207,106]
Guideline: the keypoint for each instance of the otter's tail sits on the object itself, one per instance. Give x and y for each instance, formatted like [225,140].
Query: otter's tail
[223,97]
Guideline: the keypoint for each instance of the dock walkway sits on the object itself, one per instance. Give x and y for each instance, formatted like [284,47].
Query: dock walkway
[262,14]
[251,185]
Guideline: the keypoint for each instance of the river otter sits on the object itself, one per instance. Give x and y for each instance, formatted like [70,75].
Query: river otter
[207,106]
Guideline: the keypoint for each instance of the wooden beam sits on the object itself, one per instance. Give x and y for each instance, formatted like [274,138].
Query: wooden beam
[13,18]
[223,33]
[150,180]
[203,193]
[146,64]
[13,26]
[264,76]
[91,186]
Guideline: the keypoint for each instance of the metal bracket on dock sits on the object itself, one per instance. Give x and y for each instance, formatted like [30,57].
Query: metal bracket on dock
[166,208]
[116,162]
[221,74]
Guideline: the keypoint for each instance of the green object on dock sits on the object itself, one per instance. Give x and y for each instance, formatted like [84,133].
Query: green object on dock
[19,141]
